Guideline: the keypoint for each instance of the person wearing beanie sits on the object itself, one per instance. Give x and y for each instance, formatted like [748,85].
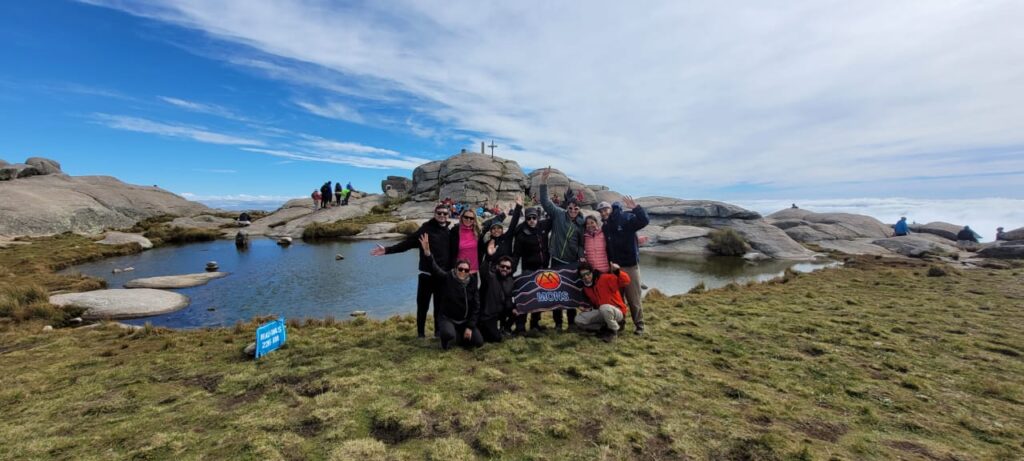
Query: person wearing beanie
[620,228]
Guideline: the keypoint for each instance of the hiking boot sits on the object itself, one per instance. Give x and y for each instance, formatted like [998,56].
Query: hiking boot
[573,327]
[638,332]
[607,336]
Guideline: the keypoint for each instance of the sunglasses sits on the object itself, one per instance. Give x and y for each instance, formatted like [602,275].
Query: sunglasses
[585,274]
[464,270]
[469,217]
[531,218]
[441,213]
[504,267]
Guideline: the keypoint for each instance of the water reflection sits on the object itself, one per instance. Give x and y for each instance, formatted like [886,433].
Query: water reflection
[305,280]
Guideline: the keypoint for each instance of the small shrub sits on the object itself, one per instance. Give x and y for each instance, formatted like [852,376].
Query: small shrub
[367,449]
[697,289]
[450,449]
[406,227]
[317,231]
[727,242]
[936,271]
[655,294]
[163,235]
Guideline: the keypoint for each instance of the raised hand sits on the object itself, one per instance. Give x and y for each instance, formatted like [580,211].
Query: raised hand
[491,248]
[425,244]
[614,267]
[519,199]
[468,334]
[377,250]
[545,174]
[629,202]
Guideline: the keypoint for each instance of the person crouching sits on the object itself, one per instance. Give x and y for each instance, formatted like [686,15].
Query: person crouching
[459,305]
[497,299]
[604,292]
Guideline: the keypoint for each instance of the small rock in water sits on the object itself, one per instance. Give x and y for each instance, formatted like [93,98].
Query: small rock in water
[358,313]
[284,241]
[48,328]
[211,309]
[338,257]
[643,286]
[127,269]
[250,349]
[211,266]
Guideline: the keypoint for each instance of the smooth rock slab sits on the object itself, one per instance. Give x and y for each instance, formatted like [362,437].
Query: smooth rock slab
[120,303]
[175,281]
[122,238]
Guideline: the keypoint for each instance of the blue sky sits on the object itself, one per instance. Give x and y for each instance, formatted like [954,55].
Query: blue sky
[264,100]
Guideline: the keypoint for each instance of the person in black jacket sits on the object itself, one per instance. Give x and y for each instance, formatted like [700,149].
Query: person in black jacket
[325,195]
[621,243]
[501,240]
[458,309]
[437,231]
[496,300]
[531,249]
[337,193]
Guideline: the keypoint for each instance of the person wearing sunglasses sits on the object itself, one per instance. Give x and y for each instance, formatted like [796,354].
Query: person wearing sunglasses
[605,293]
[566,244]
[530,251]
[494,234]
[496,299]
[458,304]
[438,233]
[463,240]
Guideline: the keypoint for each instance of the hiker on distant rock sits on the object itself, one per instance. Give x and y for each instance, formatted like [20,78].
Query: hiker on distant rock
[458,307]
[437,231]
[337,193]
[348,190]
[325,195]
[620,228]
[967,235]
[901,228]
[595,249]
[244,219]
[531,249]
[1000,235]
[316,199]
[795,207]
[604,290]
[464,240]
[566,244]
[496,300]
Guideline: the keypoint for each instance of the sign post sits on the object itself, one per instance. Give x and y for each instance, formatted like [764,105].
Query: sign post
[270,336]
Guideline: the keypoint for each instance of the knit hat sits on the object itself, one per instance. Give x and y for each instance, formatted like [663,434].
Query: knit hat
[532,212]
[603,205]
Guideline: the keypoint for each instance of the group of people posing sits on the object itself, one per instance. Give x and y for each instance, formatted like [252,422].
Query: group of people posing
[322,197]
[467,269]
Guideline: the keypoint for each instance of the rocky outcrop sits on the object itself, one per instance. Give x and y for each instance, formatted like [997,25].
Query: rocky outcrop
[122,238]
[122,303]
[1014,235]
[293,228]
[33,166]
[942,229]
[558,183]
[917,245]
[202,222]
[44,165]
[854,247]
[396,186]
[51,204]
[469,178]
[1004,250]
[175,281]
[667,209]
[810,227]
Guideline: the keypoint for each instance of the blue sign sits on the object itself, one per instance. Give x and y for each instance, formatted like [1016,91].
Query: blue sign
[270,336]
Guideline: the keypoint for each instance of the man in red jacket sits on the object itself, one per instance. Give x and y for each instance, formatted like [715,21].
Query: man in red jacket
[605,293]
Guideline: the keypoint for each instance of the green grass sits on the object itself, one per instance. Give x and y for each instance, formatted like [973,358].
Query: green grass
[158,230]
[344,227]
[865,362]
[727,242]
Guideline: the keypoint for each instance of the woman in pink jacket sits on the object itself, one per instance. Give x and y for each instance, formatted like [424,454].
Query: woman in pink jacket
[594,249]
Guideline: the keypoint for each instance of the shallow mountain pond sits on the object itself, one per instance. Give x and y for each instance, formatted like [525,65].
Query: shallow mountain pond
[306,280]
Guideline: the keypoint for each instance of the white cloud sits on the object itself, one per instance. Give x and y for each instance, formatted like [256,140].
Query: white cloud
[239,201]
[333,110]
[202,108]
[356,160]
[141,125]
[675,95]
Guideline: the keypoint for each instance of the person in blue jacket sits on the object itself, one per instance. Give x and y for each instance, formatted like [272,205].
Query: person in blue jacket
[620,228]
[901,228]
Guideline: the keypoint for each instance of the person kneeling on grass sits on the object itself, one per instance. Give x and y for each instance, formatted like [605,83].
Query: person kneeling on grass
[605,292]
[497,298]
[459,305]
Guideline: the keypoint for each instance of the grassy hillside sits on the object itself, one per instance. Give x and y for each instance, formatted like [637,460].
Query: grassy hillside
[870,361]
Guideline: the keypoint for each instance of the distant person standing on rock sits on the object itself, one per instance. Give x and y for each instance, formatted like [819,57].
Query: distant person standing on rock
[1000,235]
[437,231]
[901,228]
[316,199]
[566,243]
[348,193]
[325,195]
[967,235]
[338,193]
[620,228]
[458,305]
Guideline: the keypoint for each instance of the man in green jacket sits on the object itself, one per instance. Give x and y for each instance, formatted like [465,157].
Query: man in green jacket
[566,238]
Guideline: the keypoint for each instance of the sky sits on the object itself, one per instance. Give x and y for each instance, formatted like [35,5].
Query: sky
[234,101]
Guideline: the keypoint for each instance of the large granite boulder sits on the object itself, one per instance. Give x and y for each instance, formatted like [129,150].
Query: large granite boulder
[202,221]
[44,165]
[917,245]
[122,238]
[942,229]
[854,247]
[808,226]
[396,186]
[697,246]
[470,178]
[17,170]
[1014,235]
[425,181]
[122,303]
[558,183]
[667,209]
[676,233]
[1004,250]
[52,204]
[765,238]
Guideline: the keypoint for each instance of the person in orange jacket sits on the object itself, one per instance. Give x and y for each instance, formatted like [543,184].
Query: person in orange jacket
[605,293]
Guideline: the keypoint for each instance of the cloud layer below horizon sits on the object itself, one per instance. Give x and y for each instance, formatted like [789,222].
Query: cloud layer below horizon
[812,98]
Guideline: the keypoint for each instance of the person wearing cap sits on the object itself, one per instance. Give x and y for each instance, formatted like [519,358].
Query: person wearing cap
[437,231]
[531,249]
[620,228]
[494,234]
[566,243]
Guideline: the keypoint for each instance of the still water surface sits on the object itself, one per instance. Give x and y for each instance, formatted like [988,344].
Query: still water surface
[304,280]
